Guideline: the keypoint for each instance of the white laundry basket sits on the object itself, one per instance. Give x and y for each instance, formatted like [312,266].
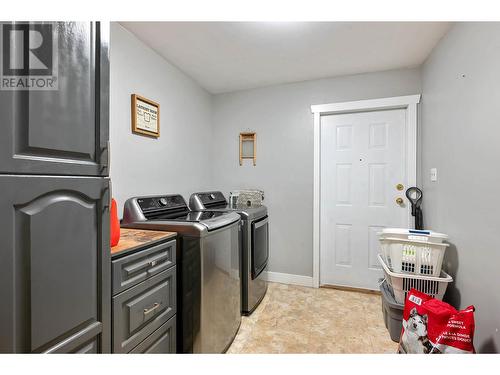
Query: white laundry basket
[402,283]
[413,251]
[414,234]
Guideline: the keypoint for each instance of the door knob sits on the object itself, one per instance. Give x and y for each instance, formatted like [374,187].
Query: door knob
[400,187]
[399,200]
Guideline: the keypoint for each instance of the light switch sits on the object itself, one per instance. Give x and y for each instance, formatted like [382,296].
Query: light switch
[434,174]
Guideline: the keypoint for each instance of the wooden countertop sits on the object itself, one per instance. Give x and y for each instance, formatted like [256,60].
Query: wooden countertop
[131,239]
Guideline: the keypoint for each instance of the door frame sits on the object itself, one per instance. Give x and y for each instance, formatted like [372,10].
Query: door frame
[408,103]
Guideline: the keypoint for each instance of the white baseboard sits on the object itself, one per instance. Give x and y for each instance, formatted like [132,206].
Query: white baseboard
[288,278]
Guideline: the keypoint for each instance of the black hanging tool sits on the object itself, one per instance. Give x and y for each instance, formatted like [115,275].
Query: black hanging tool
[416,202]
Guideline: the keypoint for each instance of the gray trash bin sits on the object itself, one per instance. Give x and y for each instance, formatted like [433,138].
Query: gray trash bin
[393,312]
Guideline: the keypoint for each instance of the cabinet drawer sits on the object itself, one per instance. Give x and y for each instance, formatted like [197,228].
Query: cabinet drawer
[161,341]
[142,309]
[133,269]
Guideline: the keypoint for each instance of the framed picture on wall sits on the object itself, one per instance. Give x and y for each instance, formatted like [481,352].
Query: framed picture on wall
[145,116]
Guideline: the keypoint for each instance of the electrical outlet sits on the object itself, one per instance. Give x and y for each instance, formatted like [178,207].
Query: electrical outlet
[434,174]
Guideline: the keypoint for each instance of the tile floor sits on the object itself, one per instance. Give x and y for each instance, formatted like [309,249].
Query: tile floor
[294,319]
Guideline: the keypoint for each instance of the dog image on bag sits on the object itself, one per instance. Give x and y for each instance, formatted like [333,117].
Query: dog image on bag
[431,326]
[414,339]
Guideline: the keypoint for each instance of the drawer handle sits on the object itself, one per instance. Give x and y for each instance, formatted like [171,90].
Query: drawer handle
[151,309]
[151,262]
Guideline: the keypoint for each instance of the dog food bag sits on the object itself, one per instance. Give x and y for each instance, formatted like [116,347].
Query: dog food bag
[431,326]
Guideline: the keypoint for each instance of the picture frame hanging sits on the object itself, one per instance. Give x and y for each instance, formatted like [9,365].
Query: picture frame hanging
[248,147]
[145,116]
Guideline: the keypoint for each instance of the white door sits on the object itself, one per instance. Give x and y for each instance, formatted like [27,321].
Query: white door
[363,159]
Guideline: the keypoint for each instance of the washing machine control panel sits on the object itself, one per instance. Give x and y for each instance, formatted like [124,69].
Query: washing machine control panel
[166,202]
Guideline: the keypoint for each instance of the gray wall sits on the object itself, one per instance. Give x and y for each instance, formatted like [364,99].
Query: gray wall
[178,161]
[461,137]
[198,150]
[282,118]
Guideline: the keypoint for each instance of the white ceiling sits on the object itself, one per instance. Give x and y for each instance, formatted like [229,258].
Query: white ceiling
[230,56]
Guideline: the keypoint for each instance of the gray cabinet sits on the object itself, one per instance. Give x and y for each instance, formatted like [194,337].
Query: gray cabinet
[64,131]
[144,304]
[55,282]
[138,267]
[139,311]
[160,341]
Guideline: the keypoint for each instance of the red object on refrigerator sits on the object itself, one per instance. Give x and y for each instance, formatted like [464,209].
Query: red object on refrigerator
[115,224]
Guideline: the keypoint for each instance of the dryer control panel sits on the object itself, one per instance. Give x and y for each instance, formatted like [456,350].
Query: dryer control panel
[211,199]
